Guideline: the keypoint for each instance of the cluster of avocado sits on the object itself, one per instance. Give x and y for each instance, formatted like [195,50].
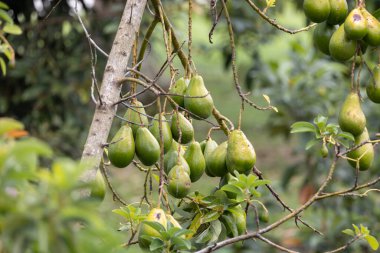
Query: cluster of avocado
[339,32]
[353,120]
[182,164]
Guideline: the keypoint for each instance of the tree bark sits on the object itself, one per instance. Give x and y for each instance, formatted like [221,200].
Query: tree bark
[110,88]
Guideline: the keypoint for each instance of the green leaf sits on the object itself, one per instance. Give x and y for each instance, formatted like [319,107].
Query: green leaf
[311,143]
[302,127]
[372,241]
[232,188]
[230,224]
[155,225]
[215,230]
[32,146]
[364,230]
[348,232]
[4,6]
[12,29]
[271,3]
[376,14]
[320,121]
[156,244]
[211,216]
[3,66]
[347,136]
[181,244]
[258,183]
[9,124]
[204,237]
[332,129]
[357,230]
[182,232]
[5,16]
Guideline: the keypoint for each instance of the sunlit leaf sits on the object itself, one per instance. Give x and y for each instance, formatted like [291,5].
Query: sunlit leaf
[12,29]
[372,241]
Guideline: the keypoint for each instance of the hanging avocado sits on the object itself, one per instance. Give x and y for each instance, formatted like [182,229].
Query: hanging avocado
[351,116]
[182,125]
[317,10]
[122,147]
[355,25]
[195,160]
[210,146]
[147,147]
[322,35]
[338,12]
[340,47]
[179,182]
[216,161]
[373,89]
[241,155]
[156,215]
[197,99]
[179,88]
[373,36]
[136,116]
[363,155]
[166,131]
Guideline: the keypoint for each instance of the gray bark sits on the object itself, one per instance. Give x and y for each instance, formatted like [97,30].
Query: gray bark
[110,89]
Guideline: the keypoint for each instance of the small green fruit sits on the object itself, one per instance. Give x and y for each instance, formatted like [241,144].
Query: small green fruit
[122,147]
[324,150]
[182,125]
[147,147]
[364,155]
[203,145]
[136,116]
[373,89]
[241,155]
[197,99]
[322,35]
[264,217]
[210,146]
[173,159]
[179,182]
[355,25]
[195,160]
[216,161]
[98,187]
[156,215]
[351,116]
[179,88]
[373,36]
[340,47]
[317,10]
[166,132]
[338,12]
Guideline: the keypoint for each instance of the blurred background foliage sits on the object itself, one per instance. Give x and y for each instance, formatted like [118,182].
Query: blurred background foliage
[49,91]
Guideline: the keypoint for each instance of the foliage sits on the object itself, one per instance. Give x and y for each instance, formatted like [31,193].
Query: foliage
[7,27]
[40,206]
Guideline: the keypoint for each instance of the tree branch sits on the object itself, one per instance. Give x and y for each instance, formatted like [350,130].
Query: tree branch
[110,90]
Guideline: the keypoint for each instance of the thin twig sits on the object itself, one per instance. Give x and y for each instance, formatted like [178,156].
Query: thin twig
[274,23]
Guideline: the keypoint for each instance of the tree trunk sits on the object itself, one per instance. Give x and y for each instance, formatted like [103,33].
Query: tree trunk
[110,88]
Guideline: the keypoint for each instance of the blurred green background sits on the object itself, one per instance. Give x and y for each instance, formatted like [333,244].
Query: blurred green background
[49,91]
